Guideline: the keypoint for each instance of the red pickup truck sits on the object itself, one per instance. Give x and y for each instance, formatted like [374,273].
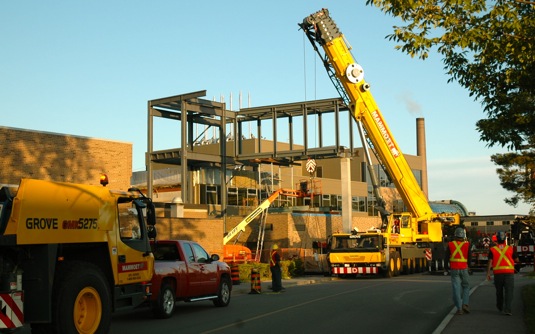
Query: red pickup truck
[183,270]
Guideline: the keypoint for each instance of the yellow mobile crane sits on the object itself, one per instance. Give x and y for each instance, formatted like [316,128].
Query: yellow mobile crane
[71,254]
[404,238]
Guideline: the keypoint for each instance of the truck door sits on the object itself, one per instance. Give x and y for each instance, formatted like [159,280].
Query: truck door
[208,274]
[194,271]
[134,262]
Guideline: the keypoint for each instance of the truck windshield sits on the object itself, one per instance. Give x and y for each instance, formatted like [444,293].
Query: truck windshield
[353,242]
[129,221]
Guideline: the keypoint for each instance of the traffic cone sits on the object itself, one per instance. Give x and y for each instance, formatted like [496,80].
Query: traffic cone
[235,273]
[256,287]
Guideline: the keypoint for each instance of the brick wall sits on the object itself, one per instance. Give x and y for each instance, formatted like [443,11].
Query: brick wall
[207,232]
[60,157]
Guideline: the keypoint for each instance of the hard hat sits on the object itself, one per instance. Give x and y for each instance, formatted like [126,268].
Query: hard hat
[275,246]
[500,237]
[460,233]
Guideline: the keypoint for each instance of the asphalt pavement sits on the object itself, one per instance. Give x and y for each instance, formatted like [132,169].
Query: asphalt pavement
[483,317]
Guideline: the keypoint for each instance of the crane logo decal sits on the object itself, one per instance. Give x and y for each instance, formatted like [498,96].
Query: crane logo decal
[386,135]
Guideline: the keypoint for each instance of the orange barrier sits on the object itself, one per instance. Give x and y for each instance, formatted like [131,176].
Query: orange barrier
[235,273]
[256,287]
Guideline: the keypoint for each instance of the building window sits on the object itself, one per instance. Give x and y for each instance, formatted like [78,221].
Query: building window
[362,204]
[399,206]
[300,227]
[506,222]
[475,224]
[354,203]
[319,171]
[490,223]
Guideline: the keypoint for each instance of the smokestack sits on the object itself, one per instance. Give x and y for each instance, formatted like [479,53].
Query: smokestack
[421,152]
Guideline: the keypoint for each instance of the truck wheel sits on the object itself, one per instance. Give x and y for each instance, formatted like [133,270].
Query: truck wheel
[223,295]
[417,265]
[398,264]
[408,266]
[82,302]
[164,306]
[412,267]
[391,268]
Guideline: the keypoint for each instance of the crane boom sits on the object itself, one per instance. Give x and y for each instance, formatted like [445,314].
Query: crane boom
[256,212]
[348,78]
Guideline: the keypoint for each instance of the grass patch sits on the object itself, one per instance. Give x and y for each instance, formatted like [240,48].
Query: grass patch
[289,268]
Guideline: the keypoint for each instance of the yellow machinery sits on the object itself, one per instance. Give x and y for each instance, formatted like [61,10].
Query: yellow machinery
[403,238]
[239,253]
[71,254]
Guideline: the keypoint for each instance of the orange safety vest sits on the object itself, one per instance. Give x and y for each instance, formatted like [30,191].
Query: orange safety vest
[273,261]
[502,259]
[459,254]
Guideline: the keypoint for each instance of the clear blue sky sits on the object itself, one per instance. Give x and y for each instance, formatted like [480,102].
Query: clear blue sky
[88,68]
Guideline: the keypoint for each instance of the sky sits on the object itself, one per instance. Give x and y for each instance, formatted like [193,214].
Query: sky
[88,68]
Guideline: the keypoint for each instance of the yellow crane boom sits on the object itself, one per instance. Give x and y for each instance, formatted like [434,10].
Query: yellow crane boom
[348,78]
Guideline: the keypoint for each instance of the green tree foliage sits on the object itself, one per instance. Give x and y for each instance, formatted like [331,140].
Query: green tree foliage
[517,174]
[487,47]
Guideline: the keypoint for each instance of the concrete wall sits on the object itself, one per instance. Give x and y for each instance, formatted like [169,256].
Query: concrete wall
[60,157]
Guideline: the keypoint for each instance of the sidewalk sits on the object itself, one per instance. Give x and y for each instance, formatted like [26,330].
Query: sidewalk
[483,316]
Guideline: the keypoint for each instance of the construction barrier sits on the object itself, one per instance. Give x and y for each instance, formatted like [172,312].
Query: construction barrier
[256,287]
[235,273]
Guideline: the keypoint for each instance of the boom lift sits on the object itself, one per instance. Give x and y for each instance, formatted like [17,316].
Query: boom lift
[232,252]
[403,238]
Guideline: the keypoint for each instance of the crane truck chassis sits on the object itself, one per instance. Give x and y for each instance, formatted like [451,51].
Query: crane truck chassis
[71,254]
[405,240]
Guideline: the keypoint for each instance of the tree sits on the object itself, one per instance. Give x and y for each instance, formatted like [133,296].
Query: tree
[517,174]
[488,48]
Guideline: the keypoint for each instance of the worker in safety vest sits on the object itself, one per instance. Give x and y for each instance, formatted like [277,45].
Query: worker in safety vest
[458,252]
[502,261]
[275,267]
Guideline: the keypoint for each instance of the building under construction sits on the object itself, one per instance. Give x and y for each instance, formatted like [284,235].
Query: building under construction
[226,165]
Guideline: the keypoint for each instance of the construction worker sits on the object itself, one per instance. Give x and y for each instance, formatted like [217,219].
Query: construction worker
[501,260]
[275,267]
[458,252]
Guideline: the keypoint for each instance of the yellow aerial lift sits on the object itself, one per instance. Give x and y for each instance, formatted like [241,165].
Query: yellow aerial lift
[238,253]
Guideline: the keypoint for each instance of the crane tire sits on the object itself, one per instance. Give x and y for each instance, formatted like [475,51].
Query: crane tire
[81,301]
[391,268]
[398,264]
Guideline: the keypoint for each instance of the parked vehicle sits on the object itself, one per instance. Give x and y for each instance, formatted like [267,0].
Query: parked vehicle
[183,271]
[71,254]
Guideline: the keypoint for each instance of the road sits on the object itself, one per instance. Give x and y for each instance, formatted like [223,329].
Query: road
[405,304]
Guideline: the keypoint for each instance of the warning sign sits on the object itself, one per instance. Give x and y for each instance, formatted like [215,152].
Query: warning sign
[311,166]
